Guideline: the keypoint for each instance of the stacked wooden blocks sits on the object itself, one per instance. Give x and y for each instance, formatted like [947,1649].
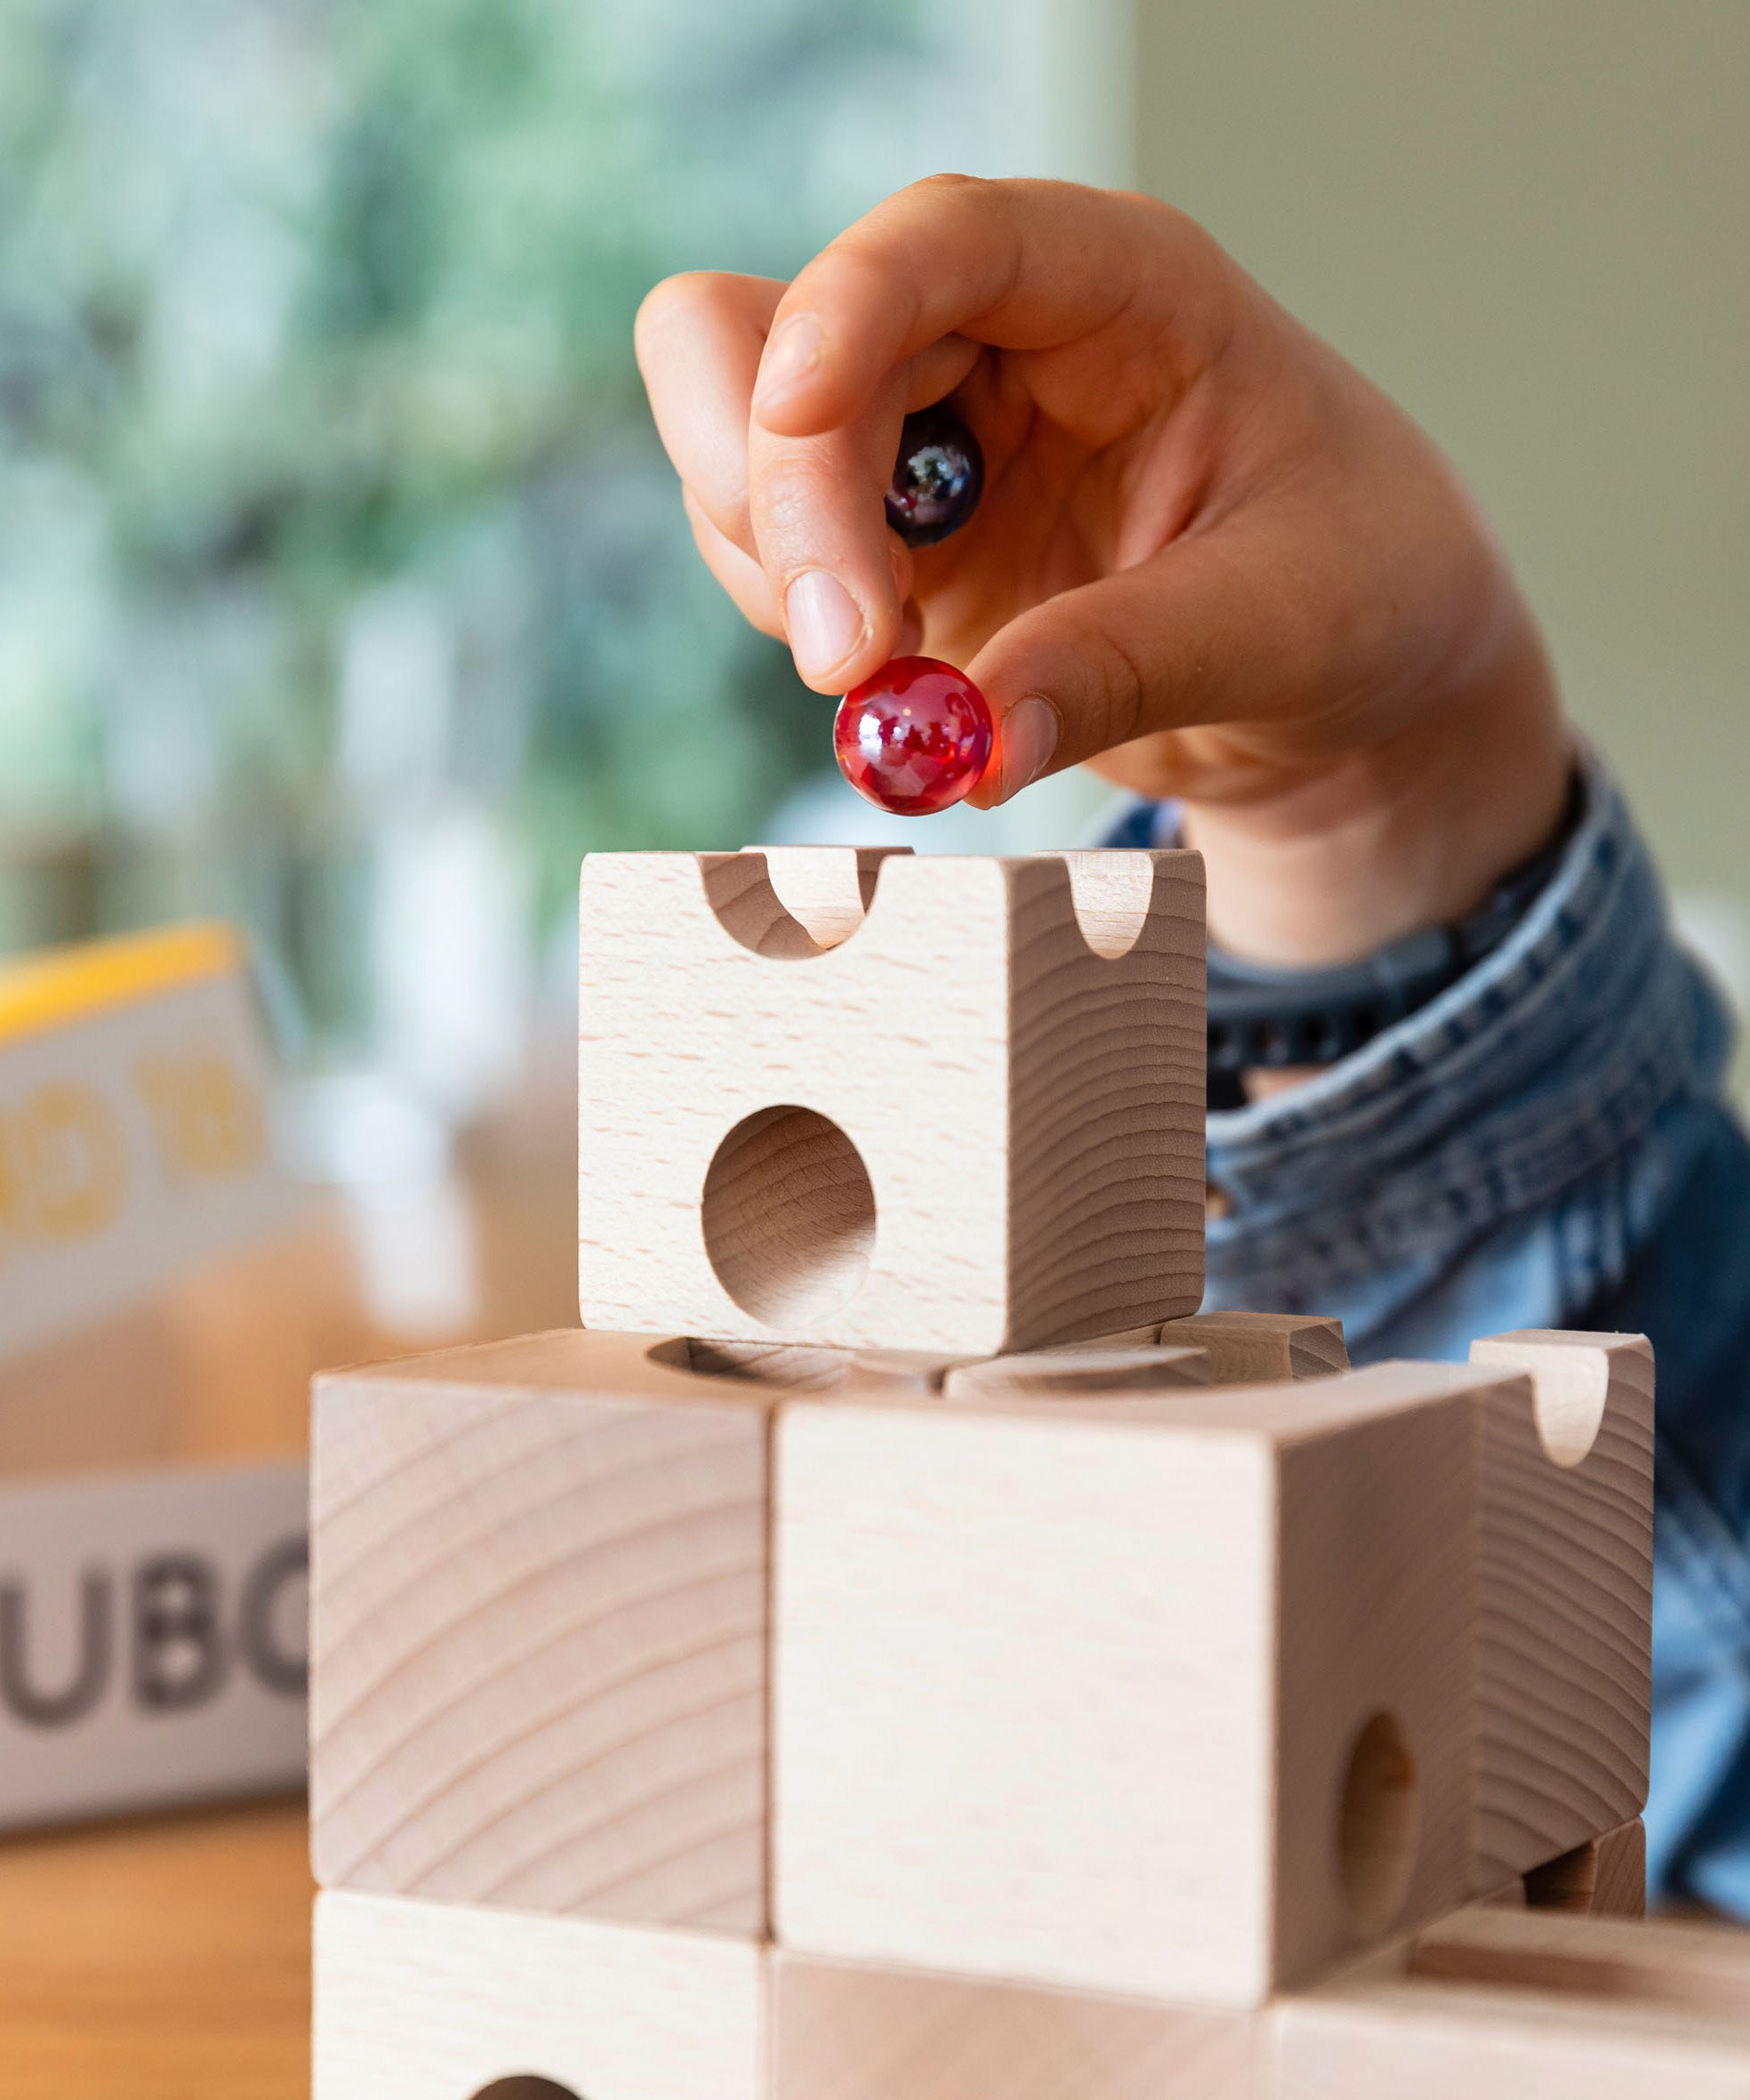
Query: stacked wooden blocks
[900,1653]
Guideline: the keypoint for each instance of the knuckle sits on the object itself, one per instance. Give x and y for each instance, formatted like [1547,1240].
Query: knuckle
[785,498]
[948,183]
[1122,686]
[676,301]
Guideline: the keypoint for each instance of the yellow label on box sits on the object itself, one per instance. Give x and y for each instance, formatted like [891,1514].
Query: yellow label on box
[133,1124]
[51,988]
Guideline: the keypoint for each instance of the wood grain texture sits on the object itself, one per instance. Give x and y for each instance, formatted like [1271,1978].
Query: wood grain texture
[539,1626]
[1565,1683]
[438,2001]
[1044,1374]
[1424,2040]
[1145,1337]
[1604,1877]
[1200,1598]
[972,1124]
[845,2032]
[1252,1348]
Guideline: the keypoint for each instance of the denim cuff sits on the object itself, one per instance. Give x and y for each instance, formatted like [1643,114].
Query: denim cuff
[1546,1062]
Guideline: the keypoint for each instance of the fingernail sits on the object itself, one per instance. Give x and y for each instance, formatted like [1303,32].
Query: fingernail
[1029,739]
[824,623]
[791,355]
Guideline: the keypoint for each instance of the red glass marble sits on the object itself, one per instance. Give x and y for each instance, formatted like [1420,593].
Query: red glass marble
[915,738]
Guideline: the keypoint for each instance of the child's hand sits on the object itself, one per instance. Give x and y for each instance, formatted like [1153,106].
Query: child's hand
[1211,558]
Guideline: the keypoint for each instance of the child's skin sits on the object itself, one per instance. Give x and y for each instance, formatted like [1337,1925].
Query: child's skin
[1211,558]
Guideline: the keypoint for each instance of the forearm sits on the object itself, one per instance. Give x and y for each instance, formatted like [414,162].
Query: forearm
[1409,832]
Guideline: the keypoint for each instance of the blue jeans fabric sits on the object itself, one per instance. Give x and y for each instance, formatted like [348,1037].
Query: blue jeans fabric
[1547,1145]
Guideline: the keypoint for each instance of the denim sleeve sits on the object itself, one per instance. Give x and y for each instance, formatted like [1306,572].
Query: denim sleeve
[1547,1145]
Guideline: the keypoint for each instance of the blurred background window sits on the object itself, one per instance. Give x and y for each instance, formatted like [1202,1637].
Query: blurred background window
[343,586]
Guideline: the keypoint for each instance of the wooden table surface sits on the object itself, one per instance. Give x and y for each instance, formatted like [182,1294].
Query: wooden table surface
[162,1960]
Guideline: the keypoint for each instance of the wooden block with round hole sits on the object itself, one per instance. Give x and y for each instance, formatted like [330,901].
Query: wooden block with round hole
[1251,1348]
[1565,1687]
[441,2001]
[1169,1695]
[843,2031]
[949,1105]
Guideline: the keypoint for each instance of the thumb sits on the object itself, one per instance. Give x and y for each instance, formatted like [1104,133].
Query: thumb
[1184,638]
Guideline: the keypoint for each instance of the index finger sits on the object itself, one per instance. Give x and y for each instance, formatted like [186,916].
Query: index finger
[1021,265]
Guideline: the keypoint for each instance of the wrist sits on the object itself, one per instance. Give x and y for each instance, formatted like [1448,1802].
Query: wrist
[1410,832]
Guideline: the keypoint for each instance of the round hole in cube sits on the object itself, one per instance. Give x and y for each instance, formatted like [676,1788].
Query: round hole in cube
[525,2085]
[788,1217]
[1379,1823]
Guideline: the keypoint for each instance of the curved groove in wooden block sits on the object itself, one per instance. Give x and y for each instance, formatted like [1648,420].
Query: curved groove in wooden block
[738,890]
[1565,1686]
[1113,892]
[1571,1379]
[827,889]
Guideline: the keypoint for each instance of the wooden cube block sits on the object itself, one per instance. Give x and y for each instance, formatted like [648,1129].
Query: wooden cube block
[1254,1348]
[951,1104]
[844,2031]
[539,1632]
[1171,1697]
[1567,1542]
[439,2001]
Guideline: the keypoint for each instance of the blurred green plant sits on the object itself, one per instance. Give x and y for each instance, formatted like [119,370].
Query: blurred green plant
[327,490]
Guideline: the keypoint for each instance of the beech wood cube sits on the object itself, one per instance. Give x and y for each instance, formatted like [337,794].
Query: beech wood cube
[538,1632]
[1171,1695]
[951,1104]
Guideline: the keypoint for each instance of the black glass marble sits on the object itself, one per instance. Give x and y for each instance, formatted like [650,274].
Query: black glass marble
[937,479]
